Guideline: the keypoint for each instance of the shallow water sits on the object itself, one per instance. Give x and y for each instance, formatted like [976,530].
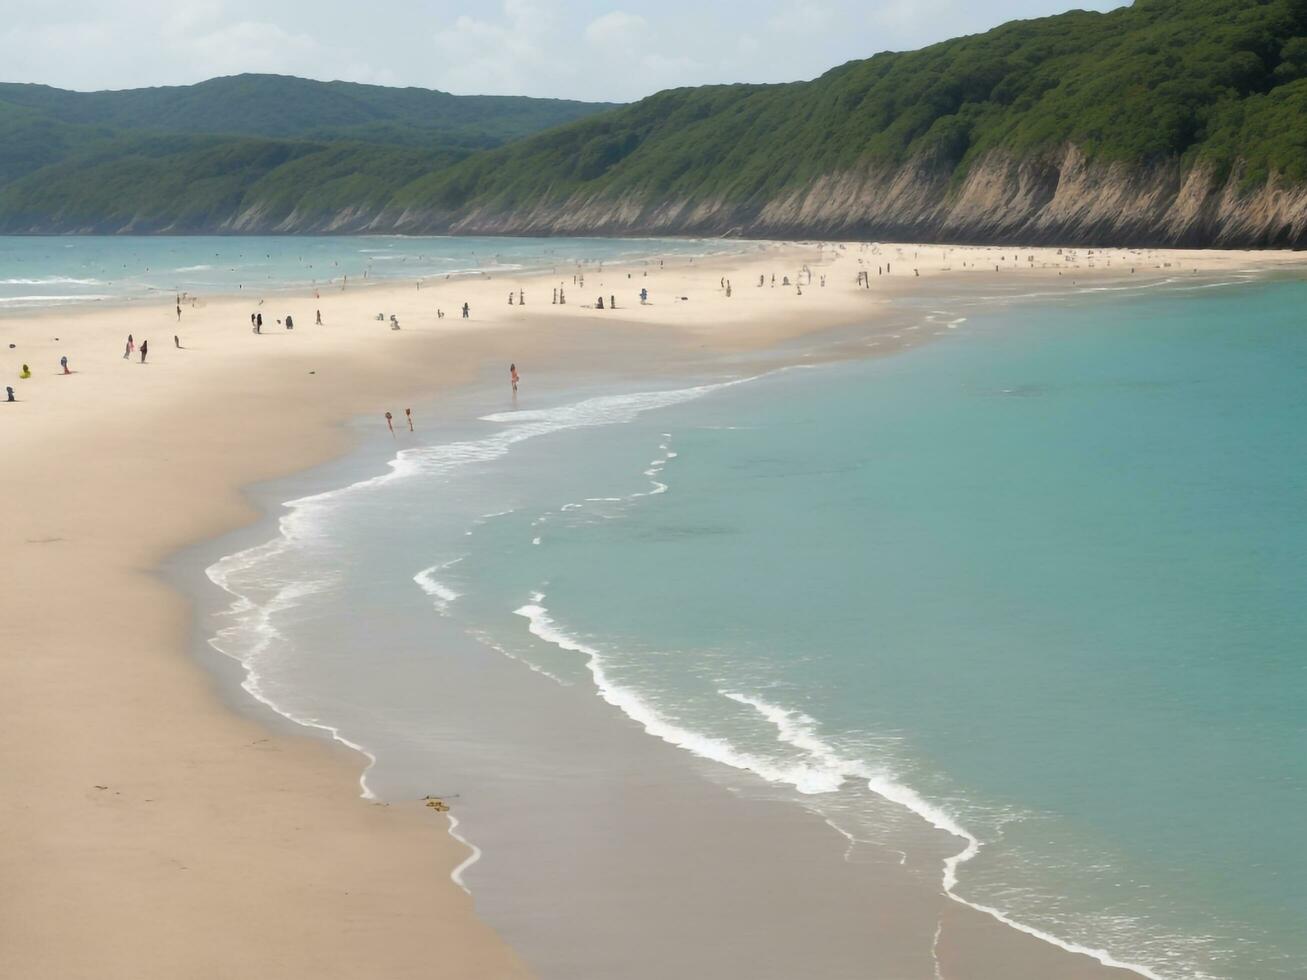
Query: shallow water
[38,272]
[1038,582]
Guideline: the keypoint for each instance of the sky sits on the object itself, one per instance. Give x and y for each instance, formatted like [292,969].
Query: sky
[596,50]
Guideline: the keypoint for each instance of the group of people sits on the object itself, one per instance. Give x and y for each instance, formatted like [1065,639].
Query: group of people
[144,348]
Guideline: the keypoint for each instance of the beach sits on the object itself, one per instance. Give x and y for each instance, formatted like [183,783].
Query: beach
[149,830]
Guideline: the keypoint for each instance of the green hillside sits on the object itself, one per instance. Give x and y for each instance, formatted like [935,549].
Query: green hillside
[1212,80]
[281,107]
[1138,99]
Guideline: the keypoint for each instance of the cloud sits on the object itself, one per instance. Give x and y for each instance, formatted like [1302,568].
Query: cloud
[506,55]
[588,49]
[617,29]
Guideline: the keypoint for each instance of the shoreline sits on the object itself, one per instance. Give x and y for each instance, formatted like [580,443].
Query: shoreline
[80,441]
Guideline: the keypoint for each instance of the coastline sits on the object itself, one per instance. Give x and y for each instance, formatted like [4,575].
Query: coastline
[189,786]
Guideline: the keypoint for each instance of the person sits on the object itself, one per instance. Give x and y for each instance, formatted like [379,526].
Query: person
[562,297]
[467,311]
[177,341]
[26,372]
[555,300]
[145,349]
[510,297]
[600,304]
[512,376]
[9,391]
[290,324]
[131,346]
[179,312]
[63,363]
[258,323]
[319,320]
[612,302]
[521,298]
[644,296]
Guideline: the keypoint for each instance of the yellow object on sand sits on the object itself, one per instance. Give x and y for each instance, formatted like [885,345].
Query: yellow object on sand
[26,372]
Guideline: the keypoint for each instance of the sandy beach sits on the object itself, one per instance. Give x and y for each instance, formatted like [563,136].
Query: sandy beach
[150,831]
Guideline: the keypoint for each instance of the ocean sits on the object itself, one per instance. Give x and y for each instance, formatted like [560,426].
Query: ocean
[65,271]
[1036,582]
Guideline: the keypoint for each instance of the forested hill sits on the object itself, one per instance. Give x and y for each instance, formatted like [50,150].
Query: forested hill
[239,153]
[1170,121]
[280,107]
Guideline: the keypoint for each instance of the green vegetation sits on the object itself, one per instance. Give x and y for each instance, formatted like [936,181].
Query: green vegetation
[194,157]
[1221,81]
[1216,83]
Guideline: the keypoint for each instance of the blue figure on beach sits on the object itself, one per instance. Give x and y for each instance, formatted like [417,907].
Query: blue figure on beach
[9,391]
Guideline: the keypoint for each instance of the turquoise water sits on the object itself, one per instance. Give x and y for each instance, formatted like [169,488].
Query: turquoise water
[39,272]
[1039,581]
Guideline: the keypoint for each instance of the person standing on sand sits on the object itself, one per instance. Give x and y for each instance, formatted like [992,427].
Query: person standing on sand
[26,372]
[521,298]
[179,312]
[63,363]
[9,392]
[177,342]
[467,311]
[319,323]
[145,349]
[512,376]
[131,346]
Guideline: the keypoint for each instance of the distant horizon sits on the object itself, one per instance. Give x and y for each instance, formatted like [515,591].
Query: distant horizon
[587,51]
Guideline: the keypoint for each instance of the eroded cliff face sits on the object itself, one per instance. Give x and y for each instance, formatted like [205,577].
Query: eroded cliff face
[1064,199]
[1061,198]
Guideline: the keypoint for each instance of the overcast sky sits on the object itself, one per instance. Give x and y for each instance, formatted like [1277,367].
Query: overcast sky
[615,50]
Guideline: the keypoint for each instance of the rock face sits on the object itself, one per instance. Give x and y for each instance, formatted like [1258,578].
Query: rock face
[1062,198]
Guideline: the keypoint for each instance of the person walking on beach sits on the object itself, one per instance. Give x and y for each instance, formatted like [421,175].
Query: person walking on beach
[63,363]
[177,341]
[319,320]
[512,376]
[145,349]
[521,298]
[179,311]
[467,311]
[258,323]
[9,393]
[131,346]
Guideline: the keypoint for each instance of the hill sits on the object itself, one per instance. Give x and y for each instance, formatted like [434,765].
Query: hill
[195,157]
[281,107]
[1167,122]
